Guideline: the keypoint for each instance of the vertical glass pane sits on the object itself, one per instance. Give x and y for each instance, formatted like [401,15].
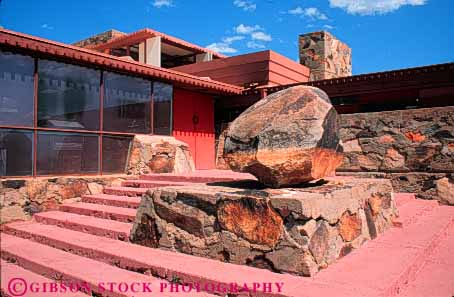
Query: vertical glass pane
[68,96]
[126,104]
[16,89]
[67,153]
[115,150]
[16,152]
[162,108]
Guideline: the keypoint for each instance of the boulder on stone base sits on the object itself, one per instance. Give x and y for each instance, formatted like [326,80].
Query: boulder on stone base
[159,154]
[287,138]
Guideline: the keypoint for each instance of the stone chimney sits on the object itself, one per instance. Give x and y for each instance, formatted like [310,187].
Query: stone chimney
[325,55]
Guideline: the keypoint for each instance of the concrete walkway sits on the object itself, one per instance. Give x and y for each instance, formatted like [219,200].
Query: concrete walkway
[87,242]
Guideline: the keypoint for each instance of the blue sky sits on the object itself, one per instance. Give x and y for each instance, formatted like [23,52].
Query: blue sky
[383,34]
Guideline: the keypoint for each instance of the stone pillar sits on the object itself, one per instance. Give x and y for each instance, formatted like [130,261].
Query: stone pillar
[150,51]
[325,55]
[204,57]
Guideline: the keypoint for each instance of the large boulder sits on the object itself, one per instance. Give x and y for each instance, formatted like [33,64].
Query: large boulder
[287,138]
[159,154]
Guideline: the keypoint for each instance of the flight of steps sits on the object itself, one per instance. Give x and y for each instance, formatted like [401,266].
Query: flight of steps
[88,242]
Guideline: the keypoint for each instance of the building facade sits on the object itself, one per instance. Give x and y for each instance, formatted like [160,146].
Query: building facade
[73,109]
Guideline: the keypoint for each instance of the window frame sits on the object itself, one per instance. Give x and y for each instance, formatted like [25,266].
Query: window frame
[100,132]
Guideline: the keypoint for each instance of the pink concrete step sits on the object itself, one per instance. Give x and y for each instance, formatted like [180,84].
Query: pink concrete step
[113,200]
[121,214]
[124,191]
[48,261]
[383,267]
[161,263]
[403,198]
[152,183]
[87,224]
[414,209]
[12,287]
[436,277]
[200,176]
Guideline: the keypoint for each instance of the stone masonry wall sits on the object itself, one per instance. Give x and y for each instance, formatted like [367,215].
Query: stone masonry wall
[414,148]
[325,55]
[21,198]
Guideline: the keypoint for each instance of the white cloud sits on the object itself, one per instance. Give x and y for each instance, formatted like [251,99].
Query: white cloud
[221,47]
[371,7]
[255,45]
[315,13]
[231,39]
[162,3]
[311,12]
[296,10]
[47,26]
[243,29]
[261,36]
[329,27]
[246,5]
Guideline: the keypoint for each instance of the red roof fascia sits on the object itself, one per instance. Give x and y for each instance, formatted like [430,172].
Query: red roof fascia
[141,35]
[45,46]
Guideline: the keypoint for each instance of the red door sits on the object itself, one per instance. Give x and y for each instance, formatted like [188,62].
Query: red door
[193,123]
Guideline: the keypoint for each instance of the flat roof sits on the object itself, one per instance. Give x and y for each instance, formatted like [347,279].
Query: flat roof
[143,34]
[48,48]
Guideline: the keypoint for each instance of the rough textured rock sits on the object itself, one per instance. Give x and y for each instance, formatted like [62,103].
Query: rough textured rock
[287,138]
[416,140]
[445,191]
[159,154]
[252,219]
[20,198]
[292,230]
[350,226]
[325,55]
[413,148]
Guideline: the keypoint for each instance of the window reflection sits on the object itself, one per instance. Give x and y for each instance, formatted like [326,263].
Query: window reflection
[16,157]
[126,104]
[162,108]
[115,151]
[67,153]
[16,89]
[68,96]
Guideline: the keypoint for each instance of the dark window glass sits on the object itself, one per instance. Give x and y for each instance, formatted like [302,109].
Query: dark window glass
[115,150]
[16,89]
[162,108]
[126,104]
[67,153]
[68,96]
[16,152]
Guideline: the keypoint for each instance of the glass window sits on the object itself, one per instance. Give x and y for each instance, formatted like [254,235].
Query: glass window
[16,152]
[115,150]
[126,104]
[16,89]
[68,96]
[67,153]
[162,108]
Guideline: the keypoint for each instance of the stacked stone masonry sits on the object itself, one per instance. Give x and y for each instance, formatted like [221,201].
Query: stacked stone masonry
[414,148]
[21,198]
[325,55]
[292,230]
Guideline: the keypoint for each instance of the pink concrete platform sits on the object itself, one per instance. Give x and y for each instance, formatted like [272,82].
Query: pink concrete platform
[48,261]
[125,191]
[11,272]
[126,215]
[112,200]
[200,176]
[436,276]
[153,183]
[87,224]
